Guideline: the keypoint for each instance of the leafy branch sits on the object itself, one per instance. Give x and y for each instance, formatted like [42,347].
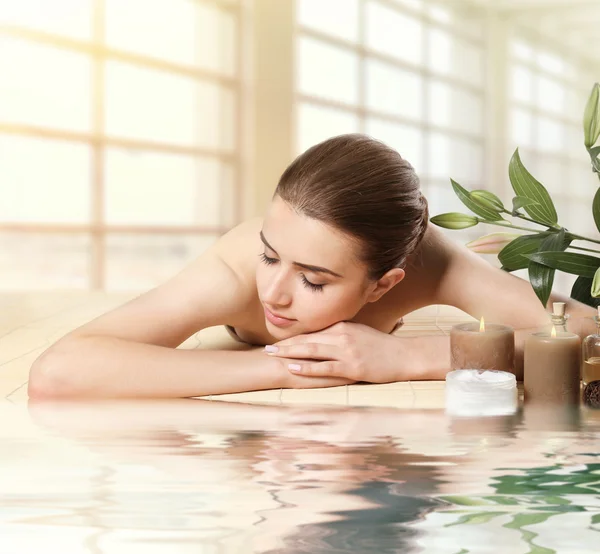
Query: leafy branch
[545,249]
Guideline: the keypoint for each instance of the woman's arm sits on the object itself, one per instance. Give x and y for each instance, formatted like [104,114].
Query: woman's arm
[110,367]
[130,351]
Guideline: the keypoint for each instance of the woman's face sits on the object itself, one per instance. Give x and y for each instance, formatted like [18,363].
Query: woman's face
[309,274]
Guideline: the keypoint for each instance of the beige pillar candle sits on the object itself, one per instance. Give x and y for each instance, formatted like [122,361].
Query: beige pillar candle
[552,364]
[480,345]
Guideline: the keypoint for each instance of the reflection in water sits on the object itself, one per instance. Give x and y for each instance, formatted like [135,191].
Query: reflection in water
[198,476]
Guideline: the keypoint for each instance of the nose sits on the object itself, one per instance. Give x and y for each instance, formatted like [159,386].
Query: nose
[277,293]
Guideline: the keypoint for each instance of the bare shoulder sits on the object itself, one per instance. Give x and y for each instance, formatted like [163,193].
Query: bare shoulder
[427,271]
[240,247]
[216,288]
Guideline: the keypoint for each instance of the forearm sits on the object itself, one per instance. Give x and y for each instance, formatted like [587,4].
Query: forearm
[108,367]
[423,358]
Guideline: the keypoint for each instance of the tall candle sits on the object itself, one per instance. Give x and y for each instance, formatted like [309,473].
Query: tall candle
[552,364]
[480,345]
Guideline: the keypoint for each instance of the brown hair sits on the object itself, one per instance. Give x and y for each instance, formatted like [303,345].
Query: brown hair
[364,188]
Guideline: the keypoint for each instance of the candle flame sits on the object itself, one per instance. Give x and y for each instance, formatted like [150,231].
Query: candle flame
[553,333]
[482,325]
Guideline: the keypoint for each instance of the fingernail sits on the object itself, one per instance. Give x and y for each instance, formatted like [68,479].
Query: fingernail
[271,349]
[295,367]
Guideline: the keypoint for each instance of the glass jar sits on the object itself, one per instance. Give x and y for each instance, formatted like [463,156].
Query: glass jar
[590,370]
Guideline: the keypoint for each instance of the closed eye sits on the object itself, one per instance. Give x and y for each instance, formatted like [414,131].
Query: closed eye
[312,286]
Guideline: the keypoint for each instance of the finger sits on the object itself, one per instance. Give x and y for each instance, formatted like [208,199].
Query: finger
[319,369]
[303,339]
[308,351]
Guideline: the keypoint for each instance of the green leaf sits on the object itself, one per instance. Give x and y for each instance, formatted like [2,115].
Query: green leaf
[502,499]
[454,220]
[591,117]
[524,184]
[520,201]
[569,262]
[541,277]
[522,520]
[465,197]
[512,256]
[594,151]
[465,500]
[581,292]
[595,519]
[487,199]
[476,518]
[596,284]
[596,208]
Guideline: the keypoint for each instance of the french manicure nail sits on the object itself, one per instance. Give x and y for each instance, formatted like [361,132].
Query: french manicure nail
[295,367]
[271,349]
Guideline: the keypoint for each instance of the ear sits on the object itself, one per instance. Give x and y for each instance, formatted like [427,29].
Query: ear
[385,283]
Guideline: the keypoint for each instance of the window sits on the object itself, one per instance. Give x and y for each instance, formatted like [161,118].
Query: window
[119,156]
[409,73]
[548,93]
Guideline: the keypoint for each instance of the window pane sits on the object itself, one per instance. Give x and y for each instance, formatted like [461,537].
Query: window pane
[44,86]
[521,128]
[316,77]
[141,262]
[576,102]
[149,188]
[216,39]
[449,106]
[551,62]
[549,134]
[147,104]
[407,140]
[31,261]
[442,199]
[449,55]
[451,157]
[317,123]
[161,28]
[393,90]
[63,17]
[577,216]
[551,173]
[581,182]
[44,180]
[521,84]
[551,95]
[334,17]
[521,50]
[393,33]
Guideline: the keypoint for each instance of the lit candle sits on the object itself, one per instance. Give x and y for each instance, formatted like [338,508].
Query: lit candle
[478,345]
[552,365]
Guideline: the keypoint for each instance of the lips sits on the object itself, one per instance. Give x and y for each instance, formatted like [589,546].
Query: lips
[276,319]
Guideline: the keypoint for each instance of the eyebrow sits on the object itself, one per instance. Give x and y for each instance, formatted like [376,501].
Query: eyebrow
[313,268]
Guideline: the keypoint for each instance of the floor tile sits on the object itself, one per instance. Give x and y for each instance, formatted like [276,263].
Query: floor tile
[270,396]
[429,398]
[331,395]
[396,386]
[16,372]
[382,398]
[428,385]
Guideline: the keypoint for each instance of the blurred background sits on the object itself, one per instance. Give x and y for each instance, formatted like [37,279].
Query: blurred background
[134,132]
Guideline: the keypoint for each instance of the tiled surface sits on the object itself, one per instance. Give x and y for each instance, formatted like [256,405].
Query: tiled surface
[31,322]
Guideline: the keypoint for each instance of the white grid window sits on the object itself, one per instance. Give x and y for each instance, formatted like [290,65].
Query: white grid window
[409,73]
[119,152]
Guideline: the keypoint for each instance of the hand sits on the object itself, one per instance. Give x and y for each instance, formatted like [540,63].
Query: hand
[350,350]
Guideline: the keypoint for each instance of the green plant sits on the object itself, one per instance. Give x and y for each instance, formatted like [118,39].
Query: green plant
[545,249]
